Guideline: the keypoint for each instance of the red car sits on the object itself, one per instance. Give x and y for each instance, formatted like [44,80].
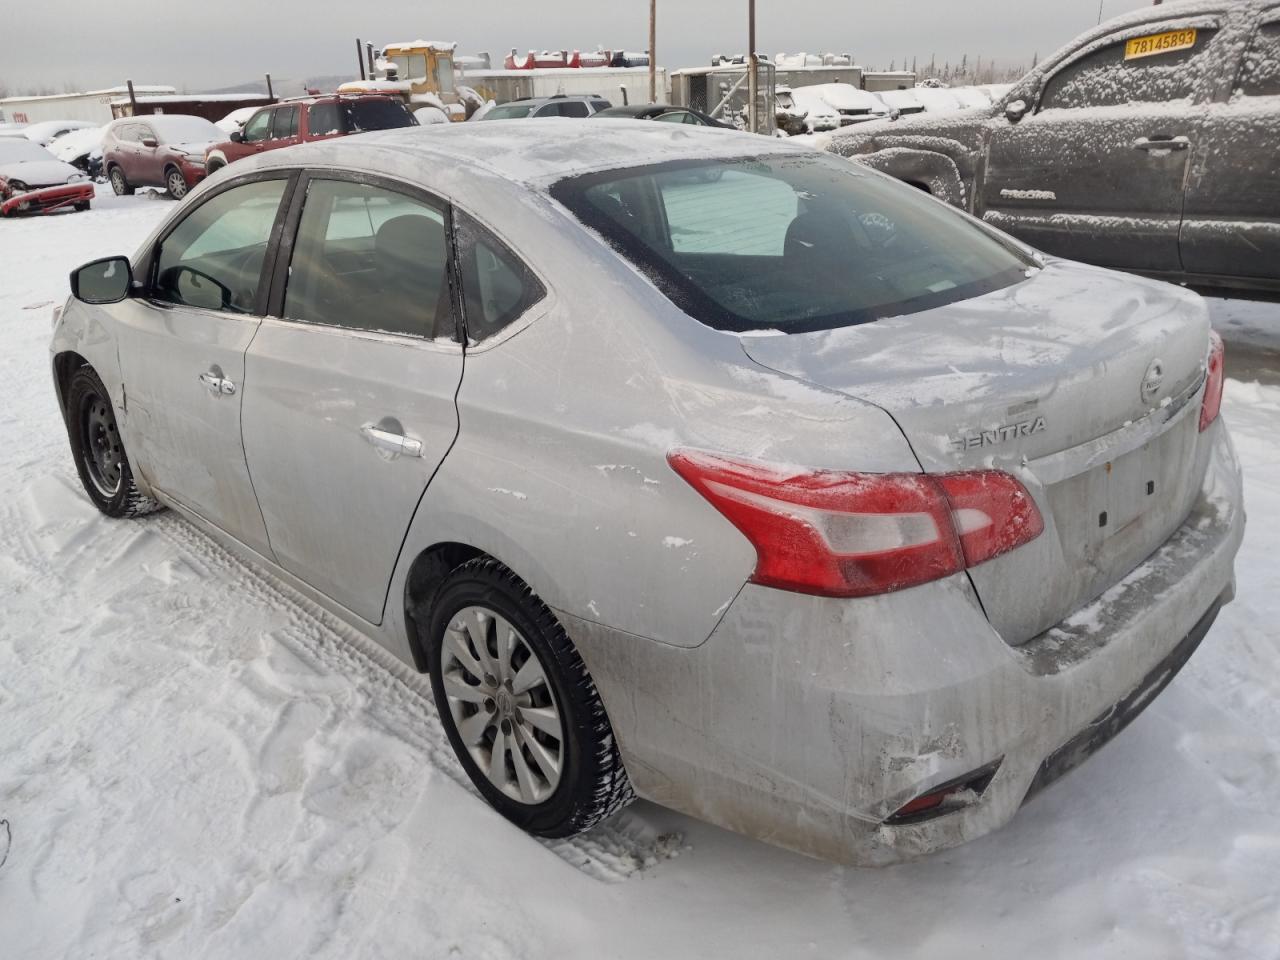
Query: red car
[165,150]
[43,199]
[315,118]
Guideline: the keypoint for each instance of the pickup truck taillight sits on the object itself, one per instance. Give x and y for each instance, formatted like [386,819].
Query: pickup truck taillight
[1213,381]
[841,534]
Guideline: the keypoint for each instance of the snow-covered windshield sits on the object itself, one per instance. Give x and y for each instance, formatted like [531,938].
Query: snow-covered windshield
[792,242]
[179,128]
[22,150]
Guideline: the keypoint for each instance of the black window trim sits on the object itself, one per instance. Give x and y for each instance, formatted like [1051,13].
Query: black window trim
[283,253]
[1204,20]
[530,275]
[266,279]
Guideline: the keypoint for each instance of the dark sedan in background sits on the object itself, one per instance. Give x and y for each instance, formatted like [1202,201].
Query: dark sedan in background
[1148,144]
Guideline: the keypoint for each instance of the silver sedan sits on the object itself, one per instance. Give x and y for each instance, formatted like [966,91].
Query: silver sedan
[690,465]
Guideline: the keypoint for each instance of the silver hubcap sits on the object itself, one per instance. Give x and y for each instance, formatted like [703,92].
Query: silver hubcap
[177,186]
[502,705]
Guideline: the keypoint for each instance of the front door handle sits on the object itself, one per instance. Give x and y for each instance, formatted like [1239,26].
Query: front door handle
[218,385]
[1161,143]
[390,442]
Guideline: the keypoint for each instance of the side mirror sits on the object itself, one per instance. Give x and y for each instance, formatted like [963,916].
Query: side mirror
[1014,110]
[237,136]
[102,281]
[150,142]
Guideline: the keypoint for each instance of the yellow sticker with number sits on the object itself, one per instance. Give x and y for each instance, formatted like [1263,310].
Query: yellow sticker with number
[1159,43]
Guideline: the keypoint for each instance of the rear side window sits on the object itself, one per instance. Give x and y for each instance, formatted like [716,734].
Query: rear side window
[367,258]
[213,258]
[574,108]
[376,114]
[497,288]
[599,105]
[789,243]
[285,123]
[1260,72]
[323,119]
[1163,65]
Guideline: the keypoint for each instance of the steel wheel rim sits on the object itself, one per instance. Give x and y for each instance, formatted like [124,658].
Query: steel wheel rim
[177,186]
[103,454]
[502,704]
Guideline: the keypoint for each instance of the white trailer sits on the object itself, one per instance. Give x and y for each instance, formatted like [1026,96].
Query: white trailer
[94,106]
[503,86]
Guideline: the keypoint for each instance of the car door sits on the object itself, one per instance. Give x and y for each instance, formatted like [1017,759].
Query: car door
[149,163]
[1231,221]
[182,350]
[1095,171]
[352,406]
[284,127]
[256,133]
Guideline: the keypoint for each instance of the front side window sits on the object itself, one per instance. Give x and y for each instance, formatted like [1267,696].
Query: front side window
[410,66]
[790,243]
[1260,72]
[509,111]
[1158,67]
[259,127]
[497,288]
[285,123]
[368,258]
[213,258]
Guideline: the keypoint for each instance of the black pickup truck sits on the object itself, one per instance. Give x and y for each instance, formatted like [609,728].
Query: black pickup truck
[1151,143]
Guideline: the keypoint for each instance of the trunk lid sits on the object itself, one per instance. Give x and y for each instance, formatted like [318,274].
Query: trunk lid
[1082,382]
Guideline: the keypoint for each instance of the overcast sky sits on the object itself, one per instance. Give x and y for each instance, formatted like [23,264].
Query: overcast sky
[216,43]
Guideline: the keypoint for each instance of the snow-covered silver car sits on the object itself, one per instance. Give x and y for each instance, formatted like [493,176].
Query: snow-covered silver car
[689,463]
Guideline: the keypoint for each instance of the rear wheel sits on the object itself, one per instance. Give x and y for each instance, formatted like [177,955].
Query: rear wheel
[99,451]
[518,705]
[175,183]
[119,184]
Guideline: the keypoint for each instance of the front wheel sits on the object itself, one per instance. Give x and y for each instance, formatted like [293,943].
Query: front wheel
[119,184]
[98,449]
[176,184]
[518,705]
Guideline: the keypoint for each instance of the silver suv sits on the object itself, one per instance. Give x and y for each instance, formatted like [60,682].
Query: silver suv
[539,107]
[687,462]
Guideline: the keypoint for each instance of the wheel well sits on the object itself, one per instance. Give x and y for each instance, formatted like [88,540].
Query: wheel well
[919,186]
[65,365]
[172,167]
[425,576]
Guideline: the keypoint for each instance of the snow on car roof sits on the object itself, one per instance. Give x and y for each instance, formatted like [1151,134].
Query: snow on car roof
[540,153]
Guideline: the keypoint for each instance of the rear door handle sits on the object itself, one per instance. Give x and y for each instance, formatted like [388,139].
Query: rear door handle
[1161,143]
[393,443]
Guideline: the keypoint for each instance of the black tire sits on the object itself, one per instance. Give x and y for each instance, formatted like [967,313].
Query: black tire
[175,183]
[119,183]
[592,783]
[18,186]
[82,206]
[215,166]
[98,449]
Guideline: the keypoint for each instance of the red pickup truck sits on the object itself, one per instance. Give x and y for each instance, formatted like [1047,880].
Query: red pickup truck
[313,118]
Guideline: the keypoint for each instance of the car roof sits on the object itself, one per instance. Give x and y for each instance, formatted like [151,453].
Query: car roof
[640,110]
[534,154]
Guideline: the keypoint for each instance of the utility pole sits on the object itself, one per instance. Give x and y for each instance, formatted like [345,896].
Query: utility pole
[753,122]
[653,51]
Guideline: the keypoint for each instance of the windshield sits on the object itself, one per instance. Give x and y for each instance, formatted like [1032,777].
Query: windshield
[22,150]
[377,114]
[509,111]
[792,243]
[183,129]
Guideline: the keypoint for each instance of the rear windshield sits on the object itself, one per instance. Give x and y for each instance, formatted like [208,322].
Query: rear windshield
[790,243]
[364,115]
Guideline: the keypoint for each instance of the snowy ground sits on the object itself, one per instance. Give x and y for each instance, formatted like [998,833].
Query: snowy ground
[195,762]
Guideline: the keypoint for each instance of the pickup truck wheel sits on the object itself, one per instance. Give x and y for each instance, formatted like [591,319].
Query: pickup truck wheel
[175,183]
[518,705]
[98,449]
[119,184]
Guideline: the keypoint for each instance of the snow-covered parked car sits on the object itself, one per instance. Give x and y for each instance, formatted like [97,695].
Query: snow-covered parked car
[24,200]
[818,115]
[82,149]
[162,150]
[1148,143]
[687,462]
[47,131]
[28,166]
[850,104]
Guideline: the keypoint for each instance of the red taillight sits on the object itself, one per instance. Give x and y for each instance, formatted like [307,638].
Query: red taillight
[1213,381]
[842,534]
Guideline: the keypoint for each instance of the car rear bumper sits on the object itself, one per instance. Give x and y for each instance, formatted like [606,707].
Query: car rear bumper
[807,722]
